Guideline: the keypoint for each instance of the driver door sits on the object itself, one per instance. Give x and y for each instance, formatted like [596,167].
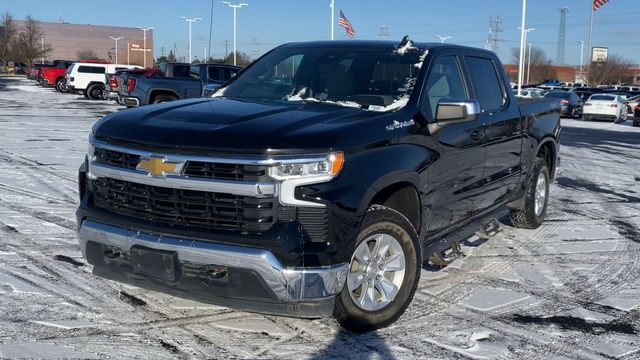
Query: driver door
[455,178]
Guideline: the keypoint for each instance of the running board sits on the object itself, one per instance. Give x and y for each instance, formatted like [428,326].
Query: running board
[445,250]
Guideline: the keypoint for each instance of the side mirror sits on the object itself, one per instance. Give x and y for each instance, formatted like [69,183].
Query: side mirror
[457,111]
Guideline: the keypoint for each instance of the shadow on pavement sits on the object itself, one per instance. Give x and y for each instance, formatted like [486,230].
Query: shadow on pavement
[348,345]
[586,137]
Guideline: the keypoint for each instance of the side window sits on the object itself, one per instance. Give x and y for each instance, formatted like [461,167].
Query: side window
[486,83]
[216,73]
[194,72]
[445,82]
[84,69]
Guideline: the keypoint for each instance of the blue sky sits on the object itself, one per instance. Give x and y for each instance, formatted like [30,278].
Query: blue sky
[265,24]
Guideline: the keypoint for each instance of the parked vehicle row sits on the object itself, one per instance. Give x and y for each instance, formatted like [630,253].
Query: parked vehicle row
[132,85]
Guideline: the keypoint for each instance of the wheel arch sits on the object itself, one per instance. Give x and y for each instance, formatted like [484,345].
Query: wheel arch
[161,91]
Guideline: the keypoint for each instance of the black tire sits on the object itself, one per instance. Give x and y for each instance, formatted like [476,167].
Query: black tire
[59,85]
[95,92]
[383,220]
[636,123]
[163,98]
[527,218]
[86,95]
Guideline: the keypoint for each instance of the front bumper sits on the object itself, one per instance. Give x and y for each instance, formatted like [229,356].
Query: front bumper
[254,279]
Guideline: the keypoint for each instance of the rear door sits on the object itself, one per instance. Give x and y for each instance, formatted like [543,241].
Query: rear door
[455,178]
[503,130]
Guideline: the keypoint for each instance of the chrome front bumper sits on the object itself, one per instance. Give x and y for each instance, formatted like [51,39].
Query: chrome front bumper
[291,286]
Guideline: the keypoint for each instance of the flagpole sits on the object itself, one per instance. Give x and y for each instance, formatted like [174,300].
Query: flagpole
[590,56]
[332,16]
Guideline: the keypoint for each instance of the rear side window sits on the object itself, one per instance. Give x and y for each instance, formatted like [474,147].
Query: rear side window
[216,73]
[486,83]
[194,72]
[91,69]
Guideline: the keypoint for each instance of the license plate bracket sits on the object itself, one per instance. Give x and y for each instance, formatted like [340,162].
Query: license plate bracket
[159,264]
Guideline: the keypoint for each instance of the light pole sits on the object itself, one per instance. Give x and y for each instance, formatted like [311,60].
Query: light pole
[206,59]
[190,21]
[529,65]
[443,38]
[144,42]
[581,42]
[116,40]
[42,59]
[332,6]
[522,47]
[526,32]
[235,7]
[128,47]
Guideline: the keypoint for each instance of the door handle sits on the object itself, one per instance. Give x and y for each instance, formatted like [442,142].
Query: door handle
[477,135]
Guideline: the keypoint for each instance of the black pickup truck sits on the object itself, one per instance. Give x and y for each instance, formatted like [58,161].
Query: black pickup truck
[318,181]
[181,81]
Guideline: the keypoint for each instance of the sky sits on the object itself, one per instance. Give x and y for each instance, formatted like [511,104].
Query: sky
[265,24]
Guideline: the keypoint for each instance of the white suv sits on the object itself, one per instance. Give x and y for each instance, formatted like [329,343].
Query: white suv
[89,78]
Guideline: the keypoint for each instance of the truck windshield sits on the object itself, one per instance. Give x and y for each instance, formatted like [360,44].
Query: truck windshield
[379,79]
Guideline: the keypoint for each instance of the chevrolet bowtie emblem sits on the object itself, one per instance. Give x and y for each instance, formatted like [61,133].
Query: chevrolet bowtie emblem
[158,166]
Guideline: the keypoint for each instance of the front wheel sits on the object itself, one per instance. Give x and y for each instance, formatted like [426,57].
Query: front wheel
[536,199]
[383,272]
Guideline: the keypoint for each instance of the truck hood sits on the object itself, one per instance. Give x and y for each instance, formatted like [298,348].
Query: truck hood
[218,125]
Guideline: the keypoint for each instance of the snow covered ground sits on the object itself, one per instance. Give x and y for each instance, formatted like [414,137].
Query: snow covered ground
[570,289]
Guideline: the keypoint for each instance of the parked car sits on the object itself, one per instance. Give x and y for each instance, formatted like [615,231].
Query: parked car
[631,103]
[89,78]
[202,79]
[113,82]
[319,189]
[605,106]
[54,76]
[636,116]
[570,103]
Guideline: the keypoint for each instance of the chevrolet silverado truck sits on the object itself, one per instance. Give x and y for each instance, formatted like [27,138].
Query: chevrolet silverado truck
[319,181]
[195,81]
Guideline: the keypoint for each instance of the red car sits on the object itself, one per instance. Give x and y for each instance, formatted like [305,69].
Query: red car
[54,76]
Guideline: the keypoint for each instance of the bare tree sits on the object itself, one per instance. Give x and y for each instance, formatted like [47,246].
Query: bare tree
[30,46]
[541,68]
[8,34]
[616,70]
[242,59]
[87,54]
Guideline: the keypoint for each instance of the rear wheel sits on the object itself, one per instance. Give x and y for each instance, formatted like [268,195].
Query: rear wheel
[95,92]
[636,123]
[536,199]
[383,272]
[163,98]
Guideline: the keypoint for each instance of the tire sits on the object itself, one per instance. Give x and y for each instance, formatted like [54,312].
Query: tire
[86,95]
[532,215]
[163,98]
[59,85]
[636,123]
[386,226]
[95,92]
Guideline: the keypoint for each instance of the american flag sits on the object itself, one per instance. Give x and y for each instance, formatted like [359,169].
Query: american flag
[342,21]
[598,3]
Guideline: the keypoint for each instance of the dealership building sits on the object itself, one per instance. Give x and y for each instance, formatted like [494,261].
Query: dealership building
[69,40]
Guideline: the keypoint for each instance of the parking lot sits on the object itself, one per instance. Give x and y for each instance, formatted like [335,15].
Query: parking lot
[570,289]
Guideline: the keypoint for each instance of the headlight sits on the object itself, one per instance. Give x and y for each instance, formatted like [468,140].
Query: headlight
[322,168]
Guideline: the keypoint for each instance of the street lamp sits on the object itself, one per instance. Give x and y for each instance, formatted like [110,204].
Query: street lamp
[128,47]
[529,65]
[522,49]
[444,38]
[42,59]
[235,7]
[332,6]
[581,42]
[190,21]
[116,40]
[526,32]
[144,46]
